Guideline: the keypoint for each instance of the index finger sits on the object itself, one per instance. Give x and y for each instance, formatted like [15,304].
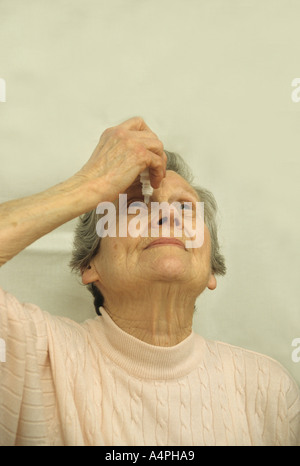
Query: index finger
[136,124]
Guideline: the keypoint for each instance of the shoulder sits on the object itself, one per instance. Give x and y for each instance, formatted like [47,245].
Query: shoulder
[261,387]
[255,370]
[239,355]
[26,322]
[243,359]
[20,322]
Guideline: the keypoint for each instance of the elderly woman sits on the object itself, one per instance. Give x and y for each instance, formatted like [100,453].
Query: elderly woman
[137,374]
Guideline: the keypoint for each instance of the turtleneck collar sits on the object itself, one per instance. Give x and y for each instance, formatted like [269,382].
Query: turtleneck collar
[141,359]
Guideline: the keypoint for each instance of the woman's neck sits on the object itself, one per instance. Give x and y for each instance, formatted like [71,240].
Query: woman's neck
[157,316]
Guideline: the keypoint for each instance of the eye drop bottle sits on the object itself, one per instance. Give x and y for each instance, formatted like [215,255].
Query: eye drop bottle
[147,189]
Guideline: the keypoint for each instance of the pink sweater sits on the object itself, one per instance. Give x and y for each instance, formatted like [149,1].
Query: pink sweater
[93,384]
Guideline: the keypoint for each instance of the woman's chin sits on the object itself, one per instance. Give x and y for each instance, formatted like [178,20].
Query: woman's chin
[169,268]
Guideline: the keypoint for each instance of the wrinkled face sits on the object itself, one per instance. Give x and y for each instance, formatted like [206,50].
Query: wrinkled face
[125,263]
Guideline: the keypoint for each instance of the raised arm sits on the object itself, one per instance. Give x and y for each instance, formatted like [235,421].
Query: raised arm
[122,153]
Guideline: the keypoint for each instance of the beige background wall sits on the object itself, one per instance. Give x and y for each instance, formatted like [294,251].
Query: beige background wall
[213,79]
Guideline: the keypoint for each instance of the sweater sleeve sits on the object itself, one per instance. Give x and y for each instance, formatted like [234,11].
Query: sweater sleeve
[23,352]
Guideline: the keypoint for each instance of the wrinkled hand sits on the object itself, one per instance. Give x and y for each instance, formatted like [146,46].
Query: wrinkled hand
[122,153]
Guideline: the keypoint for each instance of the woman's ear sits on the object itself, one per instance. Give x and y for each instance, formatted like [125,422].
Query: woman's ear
[89,275]
[212,282]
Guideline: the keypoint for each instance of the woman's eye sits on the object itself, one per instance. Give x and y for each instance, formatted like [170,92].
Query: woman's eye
[135,207]
[186,206]
[138,204]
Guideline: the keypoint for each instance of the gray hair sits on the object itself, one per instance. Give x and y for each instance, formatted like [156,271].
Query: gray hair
[87,242]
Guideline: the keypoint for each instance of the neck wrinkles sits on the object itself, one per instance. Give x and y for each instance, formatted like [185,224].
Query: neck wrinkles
[159,315]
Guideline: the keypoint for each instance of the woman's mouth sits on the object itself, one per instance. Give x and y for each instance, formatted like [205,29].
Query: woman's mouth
[166,242]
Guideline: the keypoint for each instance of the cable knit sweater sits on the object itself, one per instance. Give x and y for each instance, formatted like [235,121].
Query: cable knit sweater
[93,384]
